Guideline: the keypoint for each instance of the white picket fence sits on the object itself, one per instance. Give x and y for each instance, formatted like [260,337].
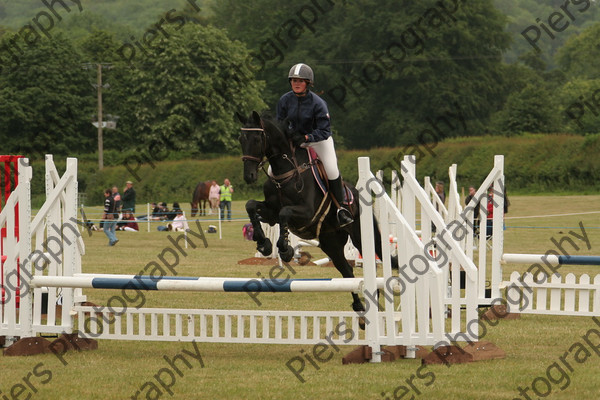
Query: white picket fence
[553,296]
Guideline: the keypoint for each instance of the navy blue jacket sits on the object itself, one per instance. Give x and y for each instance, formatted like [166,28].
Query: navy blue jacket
[307,114]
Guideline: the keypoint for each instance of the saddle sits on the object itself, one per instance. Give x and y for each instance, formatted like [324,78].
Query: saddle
[321,177]
[318,171]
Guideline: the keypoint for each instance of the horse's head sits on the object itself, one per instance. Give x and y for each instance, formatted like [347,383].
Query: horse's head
[262,139]
[254,145]
[194,209]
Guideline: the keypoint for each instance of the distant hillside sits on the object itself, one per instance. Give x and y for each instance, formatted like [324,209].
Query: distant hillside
[522,15]
[128,15]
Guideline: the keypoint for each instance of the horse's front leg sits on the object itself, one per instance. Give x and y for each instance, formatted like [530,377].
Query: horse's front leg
[255,209]
[285,215]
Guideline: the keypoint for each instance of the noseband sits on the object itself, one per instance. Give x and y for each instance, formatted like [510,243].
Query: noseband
[260,161]
[277,180]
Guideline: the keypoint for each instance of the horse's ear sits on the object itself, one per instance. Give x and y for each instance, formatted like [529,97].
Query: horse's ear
[287,127]
[256,118]
[242,119]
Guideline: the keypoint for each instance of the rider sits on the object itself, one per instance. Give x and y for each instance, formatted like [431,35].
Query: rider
[309,119]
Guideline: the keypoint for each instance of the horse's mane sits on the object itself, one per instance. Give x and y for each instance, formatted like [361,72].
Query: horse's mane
[281,127]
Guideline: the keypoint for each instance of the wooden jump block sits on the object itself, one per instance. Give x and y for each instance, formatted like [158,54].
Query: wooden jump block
[73,342]
[448,355]
[39,345]
[499,311]
[484,350]
[363,354]
[28,347]
[476,351]
[359,355]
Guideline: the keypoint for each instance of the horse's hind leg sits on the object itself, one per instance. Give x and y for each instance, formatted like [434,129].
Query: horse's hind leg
[254,209]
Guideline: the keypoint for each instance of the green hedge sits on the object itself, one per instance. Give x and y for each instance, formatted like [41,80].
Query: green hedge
[533,164]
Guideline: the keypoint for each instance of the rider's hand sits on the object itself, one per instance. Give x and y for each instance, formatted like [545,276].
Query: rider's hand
[298,139]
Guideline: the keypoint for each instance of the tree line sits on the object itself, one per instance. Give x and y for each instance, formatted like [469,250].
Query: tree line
[394,72]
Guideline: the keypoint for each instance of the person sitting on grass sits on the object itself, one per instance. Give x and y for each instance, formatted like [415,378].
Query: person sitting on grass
[179,223]
[128,223]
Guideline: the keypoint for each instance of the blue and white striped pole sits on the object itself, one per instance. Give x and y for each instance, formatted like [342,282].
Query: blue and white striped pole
[203,284]
[550,258]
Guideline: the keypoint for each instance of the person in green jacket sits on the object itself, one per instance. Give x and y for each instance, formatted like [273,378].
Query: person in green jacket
[226,194]
[128,198]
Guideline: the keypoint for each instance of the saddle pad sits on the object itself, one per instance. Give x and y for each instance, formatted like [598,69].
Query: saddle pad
[312,156]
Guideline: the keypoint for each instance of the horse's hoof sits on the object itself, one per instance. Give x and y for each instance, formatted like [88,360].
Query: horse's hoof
[287,255]
[266,249]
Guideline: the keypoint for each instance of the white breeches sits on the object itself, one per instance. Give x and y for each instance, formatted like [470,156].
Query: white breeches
[326,152]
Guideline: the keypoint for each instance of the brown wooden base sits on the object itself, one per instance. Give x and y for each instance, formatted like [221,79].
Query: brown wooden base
[499,311]
[363,354]
[28,347]
[39,345]
[476,351]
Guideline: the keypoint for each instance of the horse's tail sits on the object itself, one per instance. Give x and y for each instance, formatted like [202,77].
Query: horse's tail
[356,235]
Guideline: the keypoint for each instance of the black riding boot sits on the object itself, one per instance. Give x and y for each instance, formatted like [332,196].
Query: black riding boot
[344,216]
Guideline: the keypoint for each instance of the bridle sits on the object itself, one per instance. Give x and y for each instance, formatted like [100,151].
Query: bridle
[278,180]
[260,161]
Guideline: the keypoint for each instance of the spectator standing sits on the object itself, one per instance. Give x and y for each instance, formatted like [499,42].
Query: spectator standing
[110,217]
[490,210]
[226,196]
[117,196]
[214,197]
[439,189]
[476,209]
[470,196]
[128,197]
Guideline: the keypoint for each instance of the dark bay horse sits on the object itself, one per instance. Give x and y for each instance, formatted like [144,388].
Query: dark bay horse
[293,198]
[200,198]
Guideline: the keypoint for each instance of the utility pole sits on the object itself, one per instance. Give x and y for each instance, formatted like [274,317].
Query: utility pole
[98,120]
[100,144]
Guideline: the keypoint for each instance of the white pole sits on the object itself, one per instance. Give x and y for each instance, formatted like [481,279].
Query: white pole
[219,212]
[148,215]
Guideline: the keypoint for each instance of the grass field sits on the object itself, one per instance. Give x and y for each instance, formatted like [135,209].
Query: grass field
[534,345]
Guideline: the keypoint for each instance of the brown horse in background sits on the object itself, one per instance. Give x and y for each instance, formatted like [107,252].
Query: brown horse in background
[200,198]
